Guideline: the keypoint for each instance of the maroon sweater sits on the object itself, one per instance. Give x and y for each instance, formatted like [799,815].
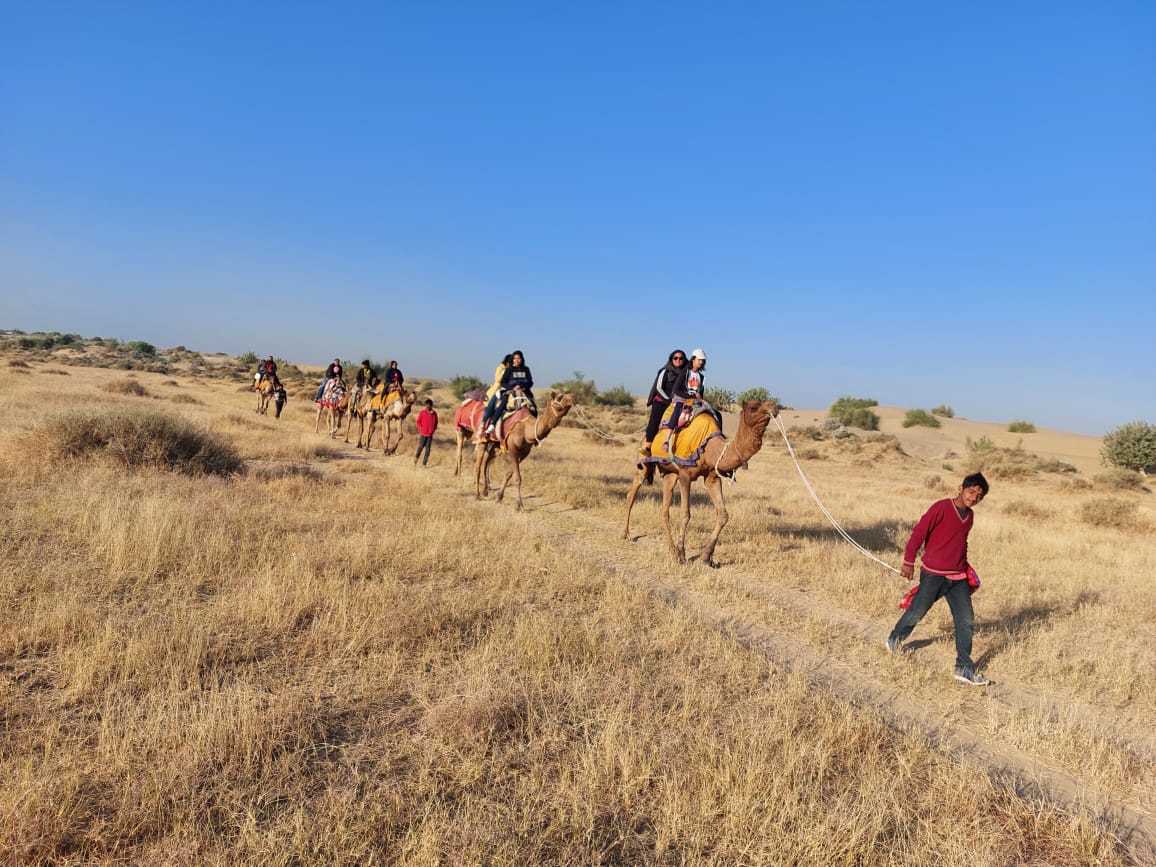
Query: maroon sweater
[943,536]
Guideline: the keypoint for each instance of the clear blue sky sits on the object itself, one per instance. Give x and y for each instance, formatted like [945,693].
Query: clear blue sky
[922,203]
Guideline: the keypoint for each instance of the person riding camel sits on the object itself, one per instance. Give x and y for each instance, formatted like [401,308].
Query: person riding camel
[267,368]
[394,379]
[516,380]
[688,387]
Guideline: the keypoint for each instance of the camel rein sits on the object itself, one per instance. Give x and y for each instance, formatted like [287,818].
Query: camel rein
[822,508]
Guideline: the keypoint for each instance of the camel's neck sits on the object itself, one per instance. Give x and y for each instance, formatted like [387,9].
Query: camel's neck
[745,445]
[538,428]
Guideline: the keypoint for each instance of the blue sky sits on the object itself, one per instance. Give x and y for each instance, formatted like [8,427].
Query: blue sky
[919,203]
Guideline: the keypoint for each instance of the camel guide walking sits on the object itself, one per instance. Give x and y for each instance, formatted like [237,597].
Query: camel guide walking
[942,534]
[427,423]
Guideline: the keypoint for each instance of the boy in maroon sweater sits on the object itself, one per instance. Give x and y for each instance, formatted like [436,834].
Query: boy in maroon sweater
[942,534]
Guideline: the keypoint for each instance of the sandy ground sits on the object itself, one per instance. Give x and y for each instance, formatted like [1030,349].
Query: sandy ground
[1082,452]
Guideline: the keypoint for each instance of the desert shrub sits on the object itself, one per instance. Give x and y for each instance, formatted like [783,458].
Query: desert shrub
[460,384]
[617,396]
[1026,509]
[920,417]
[125,386]
[141,349]
[933,481]
[140,439]
[1119,479]
[979,446]
[943,410]
[186,399]
[16,362]
[810,454]
[1109,512]
[1021,427]
[1131,446]
[247,359]
[720,398]
[583,389]
[1054,465]
[856,412]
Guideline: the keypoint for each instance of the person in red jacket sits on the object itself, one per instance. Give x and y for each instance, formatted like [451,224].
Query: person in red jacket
[427,423]
[942,534]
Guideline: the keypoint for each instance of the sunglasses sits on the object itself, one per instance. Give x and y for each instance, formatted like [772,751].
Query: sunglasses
[679,358]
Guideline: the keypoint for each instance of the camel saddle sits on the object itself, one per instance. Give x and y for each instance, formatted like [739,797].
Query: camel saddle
[382,400]
[689,441]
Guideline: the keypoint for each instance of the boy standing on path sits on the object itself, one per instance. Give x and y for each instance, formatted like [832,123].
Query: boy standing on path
[942,534]
[427,423]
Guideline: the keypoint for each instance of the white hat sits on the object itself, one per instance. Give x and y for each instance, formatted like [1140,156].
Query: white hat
[698,353]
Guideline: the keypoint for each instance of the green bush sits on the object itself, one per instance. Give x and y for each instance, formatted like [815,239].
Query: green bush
[722,399]
[247,359]
[460,384]
[944,410]
[141,349]
[919,417]
[979,446]
[856,412]
[617,396]
[1021,427]
[1131,446]
[583,390]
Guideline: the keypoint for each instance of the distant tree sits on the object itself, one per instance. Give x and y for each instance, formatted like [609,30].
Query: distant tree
[720,398]
[856,412]
[617,396]
[247,359]
[460,384]
[758,393]
[1131,446]
[920,417]
[141,349]
[583,389]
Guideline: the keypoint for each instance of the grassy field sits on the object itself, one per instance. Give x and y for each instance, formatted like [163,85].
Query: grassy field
[263,646]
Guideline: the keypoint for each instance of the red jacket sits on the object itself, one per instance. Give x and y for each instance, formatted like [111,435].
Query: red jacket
[427,422]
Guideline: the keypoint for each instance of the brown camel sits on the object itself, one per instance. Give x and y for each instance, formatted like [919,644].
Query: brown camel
[360,407]
[264,394]
[395,411]
[519,436]
[718,457]
[467,420]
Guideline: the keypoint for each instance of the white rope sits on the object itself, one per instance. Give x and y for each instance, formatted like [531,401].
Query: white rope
[822,508]
[586,423]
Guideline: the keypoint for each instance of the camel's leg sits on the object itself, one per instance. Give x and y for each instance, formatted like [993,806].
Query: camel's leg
[684,481]
[481,468]
[514,472]
[668,483]
[461,445]
[317,424]
[714,487]
[372,428]
[639,478]
[348,430]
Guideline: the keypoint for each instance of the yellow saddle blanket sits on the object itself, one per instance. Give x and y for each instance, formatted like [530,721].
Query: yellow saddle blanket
[688,442]
[381,401]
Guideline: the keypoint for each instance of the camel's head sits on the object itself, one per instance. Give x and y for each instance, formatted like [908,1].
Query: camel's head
[561,402]
[409,397]
[758,413]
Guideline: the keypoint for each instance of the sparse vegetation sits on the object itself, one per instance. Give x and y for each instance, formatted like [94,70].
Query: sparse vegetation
[1131,446]
[1119,479]
[722,399]
[126,386]
[920,417]
[856,412]
[943,410]
[583,389]
[460,384]
[1021,427]
[617,396]
[1109,512]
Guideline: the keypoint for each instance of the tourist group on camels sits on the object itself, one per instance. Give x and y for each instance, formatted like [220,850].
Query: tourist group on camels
[683,439]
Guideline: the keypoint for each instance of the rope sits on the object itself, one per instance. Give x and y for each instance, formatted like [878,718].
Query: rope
[586,423]
[822,508]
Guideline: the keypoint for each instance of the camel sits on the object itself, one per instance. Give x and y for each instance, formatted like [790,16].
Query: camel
[519,435]
[264,393]
[467,420]
[360,406]
[395,411]
[716,458]
[333,404]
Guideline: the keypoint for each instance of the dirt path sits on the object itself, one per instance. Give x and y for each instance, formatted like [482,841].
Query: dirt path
[966,725]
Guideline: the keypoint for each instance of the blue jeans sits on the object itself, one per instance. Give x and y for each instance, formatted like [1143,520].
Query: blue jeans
[423,444]
[958,595]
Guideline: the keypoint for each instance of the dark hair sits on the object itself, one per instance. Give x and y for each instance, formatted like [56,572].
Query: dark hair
[392,363]
[518,352]
[976,479]
[428,402]
[673,353]
[507,359]
[365,363]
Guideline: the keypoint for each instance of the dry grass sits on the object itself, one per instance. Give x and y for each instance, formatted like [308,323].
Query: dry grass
[340,658]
